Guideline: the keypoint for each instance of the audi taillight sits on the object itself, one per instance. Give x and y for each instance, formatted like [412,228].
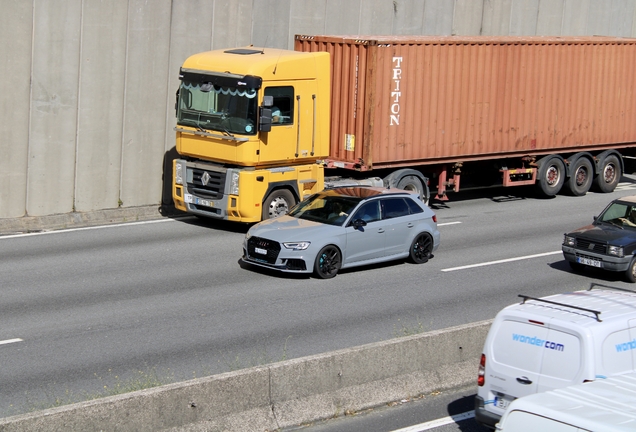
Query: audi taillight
[481,374]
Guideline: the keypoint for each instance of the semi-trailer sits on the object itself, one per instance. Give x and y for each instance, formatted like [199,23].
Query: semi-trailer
[259,129]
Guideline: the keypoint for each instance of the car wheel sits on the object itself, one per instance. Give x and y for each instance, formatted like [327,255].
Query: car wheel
[609,174]
[328,262]
[421,248]
[581,179]
[630,273]
[278,204]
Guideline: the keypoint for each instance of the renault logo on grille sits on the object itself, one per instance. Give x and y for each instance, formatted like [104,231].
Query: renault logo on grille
[205,178]
[591,246]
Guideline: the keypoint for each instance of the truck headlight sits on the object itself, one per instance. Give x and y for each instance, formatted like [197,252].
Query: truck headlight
[297,245]
[569,241]
[234,186]
[178,173]
[615,250]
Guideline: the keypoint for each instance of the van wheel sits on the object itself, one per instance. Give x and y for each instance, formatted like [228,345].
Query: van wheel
[328,262]
[630,273]
[581,179]
[278,203]
[421,248]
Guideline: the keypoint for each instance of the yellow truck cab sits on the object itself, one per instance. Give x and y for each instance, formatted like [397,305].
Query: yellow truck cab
[251,125]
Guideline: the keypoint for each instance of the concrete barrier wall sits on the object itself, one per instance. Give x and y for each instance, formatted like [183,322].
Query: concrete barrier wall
[87,88]
[283,394]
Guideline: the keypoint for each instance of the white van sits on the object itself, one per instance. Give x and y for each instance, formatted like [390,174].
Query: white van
[553,342]
[607,405]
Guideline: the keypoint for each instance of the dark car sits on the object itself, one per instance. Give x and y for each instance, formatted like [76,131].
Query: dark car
[608,243]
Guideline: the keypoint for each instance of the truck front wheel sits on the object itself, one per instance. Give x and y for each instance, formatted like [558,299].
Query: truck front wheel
[278,204]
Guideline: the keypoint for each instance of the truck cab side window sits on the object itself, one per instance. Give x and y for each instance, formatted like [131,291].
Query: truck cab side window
[283,108]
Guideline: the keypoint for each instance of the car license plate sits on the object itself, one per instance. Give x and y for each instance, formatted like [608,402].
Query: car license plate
[589,262]
[260,251]
[501,402]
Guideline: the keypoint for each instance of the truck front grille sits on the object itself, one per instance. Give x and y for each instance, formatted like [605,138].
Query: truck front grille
[583,244]
[272,248]
[207,183]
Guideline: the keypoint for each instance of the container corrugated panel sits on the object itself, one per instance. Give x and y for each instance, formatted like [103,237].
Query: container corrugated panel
[399,100]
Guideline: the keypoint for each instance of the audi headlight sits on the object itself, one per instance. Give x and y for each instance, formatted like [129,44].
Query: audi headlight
[178,173]
[615,250]
[297,245]
[234,187]
[569,241]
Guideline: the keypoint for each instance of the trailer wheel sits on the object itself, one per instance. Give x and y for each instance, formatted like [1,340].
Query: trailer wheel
[551,176]
[278,204]
[609,174]
[581,179]
[412,183]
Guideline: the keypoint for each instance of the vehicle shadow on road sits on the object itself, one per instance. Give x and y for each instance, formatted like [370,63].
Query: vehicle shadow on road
[589,272]
[461,406]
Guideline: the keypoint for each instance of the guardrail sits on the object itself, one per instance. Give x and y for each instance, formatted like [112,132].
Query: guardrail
[282,394]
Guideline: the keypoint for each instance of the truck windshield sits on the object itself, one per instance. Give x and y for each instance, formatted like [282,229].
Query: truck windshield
[211,107]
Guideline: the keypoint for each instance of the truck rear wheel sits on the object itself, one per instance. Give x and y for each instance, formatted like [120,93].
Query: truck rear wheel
[551,176]
[278,204]
[609,174]
[581,179]
[412,183]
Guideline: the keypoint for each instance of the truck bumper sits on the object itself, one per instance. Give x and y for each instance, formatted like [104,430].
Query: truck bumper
[608,262]
[483,417]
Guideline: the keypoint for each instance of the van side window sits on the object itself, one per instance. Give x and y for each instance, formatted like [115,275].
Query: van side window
[394,207]
[283,108]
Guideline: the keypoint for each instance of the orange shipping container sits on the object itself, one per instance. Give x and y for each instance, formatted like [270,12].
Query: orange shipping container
[408,100]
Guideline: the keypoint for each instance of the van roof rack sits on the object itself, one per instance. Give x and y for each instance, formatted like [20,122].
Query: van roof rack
[595,312]
[594,284]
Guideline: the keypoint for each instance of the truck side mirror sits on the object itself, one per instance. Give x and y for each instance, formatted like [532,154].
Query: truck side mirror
[265,119]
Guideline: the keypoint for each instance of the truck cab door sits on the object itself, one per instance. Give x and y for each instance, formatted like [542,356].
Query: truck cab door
[290,137]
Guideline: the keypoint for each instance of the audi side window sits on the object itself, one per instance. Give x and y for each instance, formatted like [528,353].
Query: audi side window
[394,207]
[368,212]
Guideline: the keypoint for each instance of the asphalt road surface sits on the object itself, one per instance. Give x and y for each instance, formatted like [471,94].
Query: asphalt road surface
[99,311]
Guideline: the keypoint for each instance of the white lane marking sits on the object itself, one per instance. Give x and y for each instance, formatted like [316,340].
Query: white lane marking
[8,341]
[501,261]
[448,223]
[90,228]
[437,423]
